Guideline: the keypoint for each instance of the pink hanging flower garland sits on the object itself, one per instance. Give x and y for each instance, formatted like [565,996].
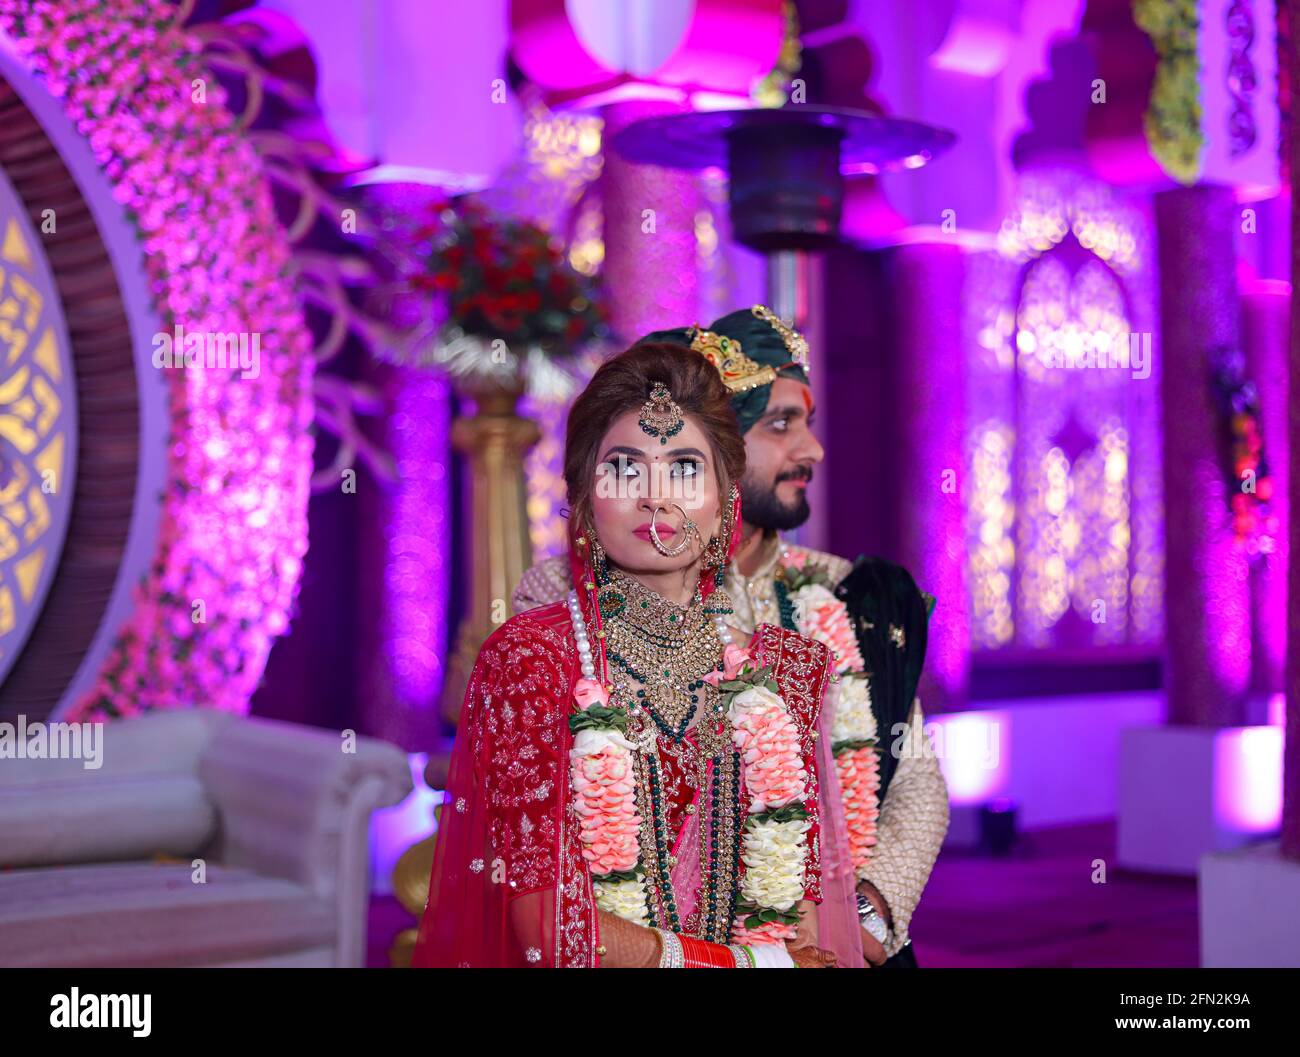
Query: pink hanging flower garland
[233,527]
[821,616]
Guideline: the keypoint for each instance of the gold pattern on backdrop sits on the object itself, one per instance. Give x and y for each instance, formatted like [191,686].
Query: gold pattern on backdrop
[34,422]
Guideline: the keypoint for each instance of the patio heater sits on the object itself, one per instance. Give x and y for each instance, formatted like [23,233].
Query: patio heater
[785,169]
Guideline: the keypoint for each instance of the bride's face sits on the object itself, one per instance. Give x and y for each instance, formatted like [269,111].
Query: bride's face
[634,475]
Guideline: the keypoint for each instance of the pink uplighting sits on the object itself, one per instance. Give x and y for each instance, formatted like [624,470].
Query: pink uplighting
[1248,779]
[973,754]
[1277,711]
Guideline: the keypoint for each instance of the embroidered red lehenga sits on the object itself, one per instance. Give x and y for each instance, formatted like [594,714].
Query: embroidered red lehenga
[510,886]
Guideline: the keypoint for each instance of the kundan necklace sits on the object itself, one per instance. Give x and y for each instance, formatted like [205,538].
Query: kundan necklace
[666,648]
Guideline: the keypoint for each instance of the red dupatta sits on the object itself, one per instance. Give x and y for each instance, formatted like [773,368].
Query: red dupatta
[509,886]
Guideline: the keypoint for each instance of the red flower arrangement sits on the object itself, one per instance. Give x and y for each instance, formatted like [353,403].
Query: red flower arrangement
[501,277]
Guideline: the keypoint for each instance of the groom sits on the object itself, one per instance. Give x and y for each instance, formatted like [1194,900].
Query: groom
[764,363]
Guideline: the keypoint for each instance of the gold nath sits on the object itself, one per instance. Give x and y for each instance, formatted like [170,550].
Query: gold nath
[794,341]
[739,373]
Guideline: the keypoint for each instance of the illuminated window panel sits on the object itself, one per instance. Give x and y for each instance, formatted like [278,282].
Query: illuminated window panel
[1064,535]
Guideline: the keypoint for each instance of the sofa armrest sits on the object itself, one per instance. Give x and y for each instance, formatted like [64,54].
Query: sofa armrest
[293,804]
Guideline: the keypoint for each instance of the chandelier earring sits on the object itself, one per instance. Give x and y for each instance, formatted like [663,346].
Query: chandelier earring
[715,554]
[600,564]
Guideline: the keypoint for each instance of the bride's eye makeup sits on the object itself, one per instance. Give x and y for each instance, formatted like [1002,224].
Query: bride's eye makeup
[619,465]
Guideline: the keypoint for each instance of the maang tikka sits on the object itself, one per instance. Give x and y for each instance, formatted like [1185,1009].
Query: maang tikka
[661,416]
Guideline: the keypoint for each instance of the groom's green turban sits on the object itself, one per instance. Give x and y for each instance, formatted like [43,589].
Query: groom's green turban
[751,349]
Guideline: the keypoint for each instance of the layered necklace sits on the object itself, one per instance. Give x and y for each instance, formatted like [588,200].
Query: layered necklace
[669,650]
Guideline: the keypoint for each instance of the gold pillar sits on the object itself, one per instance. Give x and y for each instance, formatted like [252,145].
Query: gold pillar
[495,440]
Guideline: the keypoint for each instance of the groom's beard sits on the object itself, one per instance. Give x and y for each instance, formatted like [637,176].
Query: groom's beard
[760,505]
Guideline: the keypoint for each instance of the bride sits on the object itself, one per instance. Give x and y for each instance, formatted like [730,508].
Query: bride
[635,782]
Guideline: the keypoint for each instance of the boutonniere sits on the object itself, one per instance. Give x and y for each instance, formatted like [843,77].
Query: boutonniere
[797,572]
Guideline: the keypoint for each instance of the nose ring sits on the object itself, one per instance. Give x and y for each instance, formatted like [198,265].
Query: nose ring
[688,527]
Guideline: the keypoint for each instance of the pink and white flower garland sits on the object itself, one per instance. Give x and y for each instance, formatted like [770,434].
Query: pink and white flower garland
[821,616]
[774,844]
[604,778]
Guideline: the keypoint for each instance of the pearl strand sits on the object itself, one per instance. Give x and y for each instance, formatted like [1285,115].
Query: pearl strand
[580,634]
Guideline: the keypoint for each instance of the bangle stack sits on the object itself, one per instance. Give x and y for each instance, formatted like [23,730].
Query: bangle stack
[686,952]
[670,950]
[703,955]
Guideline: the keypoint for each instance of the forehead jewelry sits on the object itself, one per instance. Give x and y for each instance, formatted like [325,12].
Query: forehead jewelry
[660,415]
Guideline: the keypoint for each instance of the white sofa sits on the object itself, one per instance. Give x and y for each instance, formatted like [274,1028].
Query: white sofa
[279,814]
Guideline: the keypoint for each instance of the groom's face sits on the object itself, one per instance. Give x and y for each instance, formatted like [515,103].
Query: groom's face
[780,452]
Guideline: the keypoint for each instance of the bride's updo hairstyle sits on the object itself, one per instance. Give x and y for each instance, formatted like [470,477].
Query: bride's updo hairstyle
[622,384]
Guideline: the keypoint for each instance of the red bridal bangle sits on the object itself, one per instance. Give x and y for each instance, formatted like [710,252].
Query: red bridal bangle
[700,954]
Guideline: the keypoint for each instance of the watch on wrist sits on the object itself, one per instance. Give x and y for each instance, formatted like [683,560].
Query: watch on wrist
[871,919]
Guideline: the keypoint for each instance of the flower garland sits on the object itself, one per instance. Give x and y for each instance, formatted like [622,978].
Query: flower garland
[819,615]
[775,840]
[605,781]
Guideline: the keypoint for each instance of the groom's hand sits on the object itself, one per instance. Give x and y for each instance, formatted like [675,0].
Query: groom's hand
[872,949]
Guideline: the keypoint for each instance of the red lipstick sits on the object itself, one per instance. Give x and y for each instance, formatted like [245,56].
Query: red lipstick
[663,531]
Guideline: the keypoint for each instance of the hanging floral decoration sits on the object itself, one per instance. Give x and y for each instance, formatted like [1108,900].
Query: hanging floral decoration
[1174,117]
[1250,487]
[233,526]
